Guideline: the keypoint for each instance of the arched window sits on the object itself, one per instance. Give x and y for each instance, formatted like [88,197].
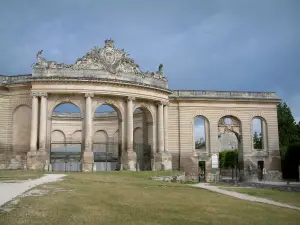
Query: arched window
[200,133]
[259,133]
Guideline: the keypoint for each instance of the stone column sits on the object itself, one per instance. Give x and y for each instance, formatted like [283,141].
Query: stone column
[88,121]
[163,160]
[43,122]
[130,159]
[88,155]
[36,160]
[160,125]
[34,122]
[166,147]
[130,123]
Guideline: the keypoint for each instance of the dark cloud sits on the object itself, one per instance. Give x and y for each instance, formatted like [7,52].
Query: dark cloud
[222,45]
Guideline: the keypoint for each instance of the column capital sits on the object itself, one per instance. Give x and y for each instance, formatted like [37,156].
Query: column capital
[166,103]
[34,94]
[130,98]
[90,94]
[159,103]
[43,94]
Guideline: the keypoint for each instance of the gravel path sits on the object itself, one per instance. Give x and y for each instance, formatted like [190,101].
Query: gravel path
[243,196]
[8,191]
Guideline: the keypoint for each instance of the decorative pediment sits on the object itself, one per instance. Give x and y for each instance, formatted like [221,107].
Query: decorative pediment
[107,59]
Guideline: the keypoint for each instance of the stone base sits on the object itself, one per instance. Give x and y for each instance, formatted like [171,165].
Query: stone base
[88,161]
[129,161]
[274,175]
[162,161]
[37,160]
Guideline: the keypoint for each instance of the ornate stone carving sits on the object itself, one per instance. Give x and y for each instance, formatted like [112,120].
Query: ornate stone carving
[90,94]
[43,94]
[166,103]
[234,122]
[106,62]
[130,98]
[159,103]
[34,94]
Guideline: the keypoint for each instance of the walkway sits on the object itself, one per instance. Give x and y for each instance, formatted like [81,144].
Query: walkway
[8,191]
[243,196]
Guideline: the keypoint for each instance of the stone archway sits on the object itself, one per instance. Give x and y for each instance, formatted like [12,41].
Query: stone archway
[230,138]
[143,137]
[107,139]
[66,137]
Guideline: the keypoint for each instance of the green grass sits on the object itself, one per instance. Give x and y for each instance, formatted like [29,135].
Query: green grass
[132,198]
[291,198]
[11,175]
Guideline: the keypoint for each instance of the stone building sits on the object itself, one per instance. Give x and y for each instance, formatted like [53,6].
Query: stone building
[172,129]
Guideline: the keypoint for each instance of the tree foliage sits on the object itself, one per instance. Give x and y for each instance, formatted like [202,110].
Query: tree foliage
[287,127]
[228,159]
[257,140]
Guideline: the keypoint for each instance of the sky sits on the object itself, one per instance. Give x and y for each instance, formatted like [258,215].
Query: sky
[237,45]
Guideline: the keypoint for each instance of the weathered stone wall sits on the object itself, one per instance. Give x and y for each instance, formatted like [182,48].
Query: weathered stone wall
[109,125]
[16,116]
[15,123]
[181,121]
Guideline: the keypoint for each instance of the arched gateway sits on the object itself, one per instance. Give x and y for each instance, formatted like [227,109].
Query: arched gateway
[148,126]
[103,76]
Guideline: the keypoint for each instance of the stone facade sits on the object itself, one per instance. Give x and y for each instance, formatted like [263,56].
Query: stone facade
[108,76]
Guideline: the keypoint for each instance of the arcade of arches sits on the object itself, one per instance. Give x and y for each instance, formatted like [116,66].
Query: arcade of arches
[103,113]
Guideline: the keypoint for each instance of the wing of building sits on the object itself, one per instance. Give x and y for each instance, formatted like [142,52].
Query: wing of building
[172,130]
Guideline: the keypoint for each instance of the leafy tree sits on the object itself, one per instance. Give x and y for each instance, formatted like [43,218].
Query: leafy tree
[287,127]
[257,140]
[228,159]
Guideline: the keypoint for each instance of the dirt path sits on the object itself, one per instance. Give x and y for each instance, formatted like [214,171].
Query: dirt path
[9,191]
[243,196]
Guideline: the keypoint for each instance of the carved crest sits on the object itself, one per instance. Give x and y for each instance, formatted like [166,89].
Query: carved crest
[106,59]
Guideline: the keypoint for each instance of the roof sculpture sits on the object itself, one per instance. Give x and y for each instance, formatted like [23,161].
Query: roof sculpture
[106,63]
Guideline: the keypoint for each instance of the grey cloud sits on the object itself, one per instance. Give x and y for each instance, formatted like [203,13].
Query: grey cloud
[223,45]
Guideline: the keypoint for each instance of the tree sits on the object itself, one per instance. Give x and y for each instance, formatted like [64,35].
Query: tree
[287,127]
[257,140]
[228,159]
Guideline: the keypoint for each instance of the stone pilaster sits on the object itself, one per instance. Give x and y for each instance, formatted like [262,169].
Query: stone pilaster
[88,155]
[130,156]
[43,122]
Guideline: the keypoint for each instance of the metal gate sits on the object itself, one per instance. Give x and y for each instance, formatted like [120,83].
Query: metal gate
[143,156]
[65,156]
[106,156]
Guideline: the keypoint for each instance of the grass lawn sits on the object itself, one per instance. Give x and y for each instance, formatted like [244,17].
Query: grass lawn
[132,198]
[291,198]
[6,175]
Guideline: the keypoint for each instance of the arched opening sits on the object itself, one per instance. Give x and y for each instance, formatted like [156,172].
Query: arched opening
[106,138]
[66,138]
[21,136]
[229,138]
[143,137]
[259,133]
[201,133]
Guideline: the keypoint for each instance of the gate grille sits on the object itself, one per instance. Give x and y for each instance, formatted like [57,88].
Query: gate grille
[65,156]
[107,156]
[143,156]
